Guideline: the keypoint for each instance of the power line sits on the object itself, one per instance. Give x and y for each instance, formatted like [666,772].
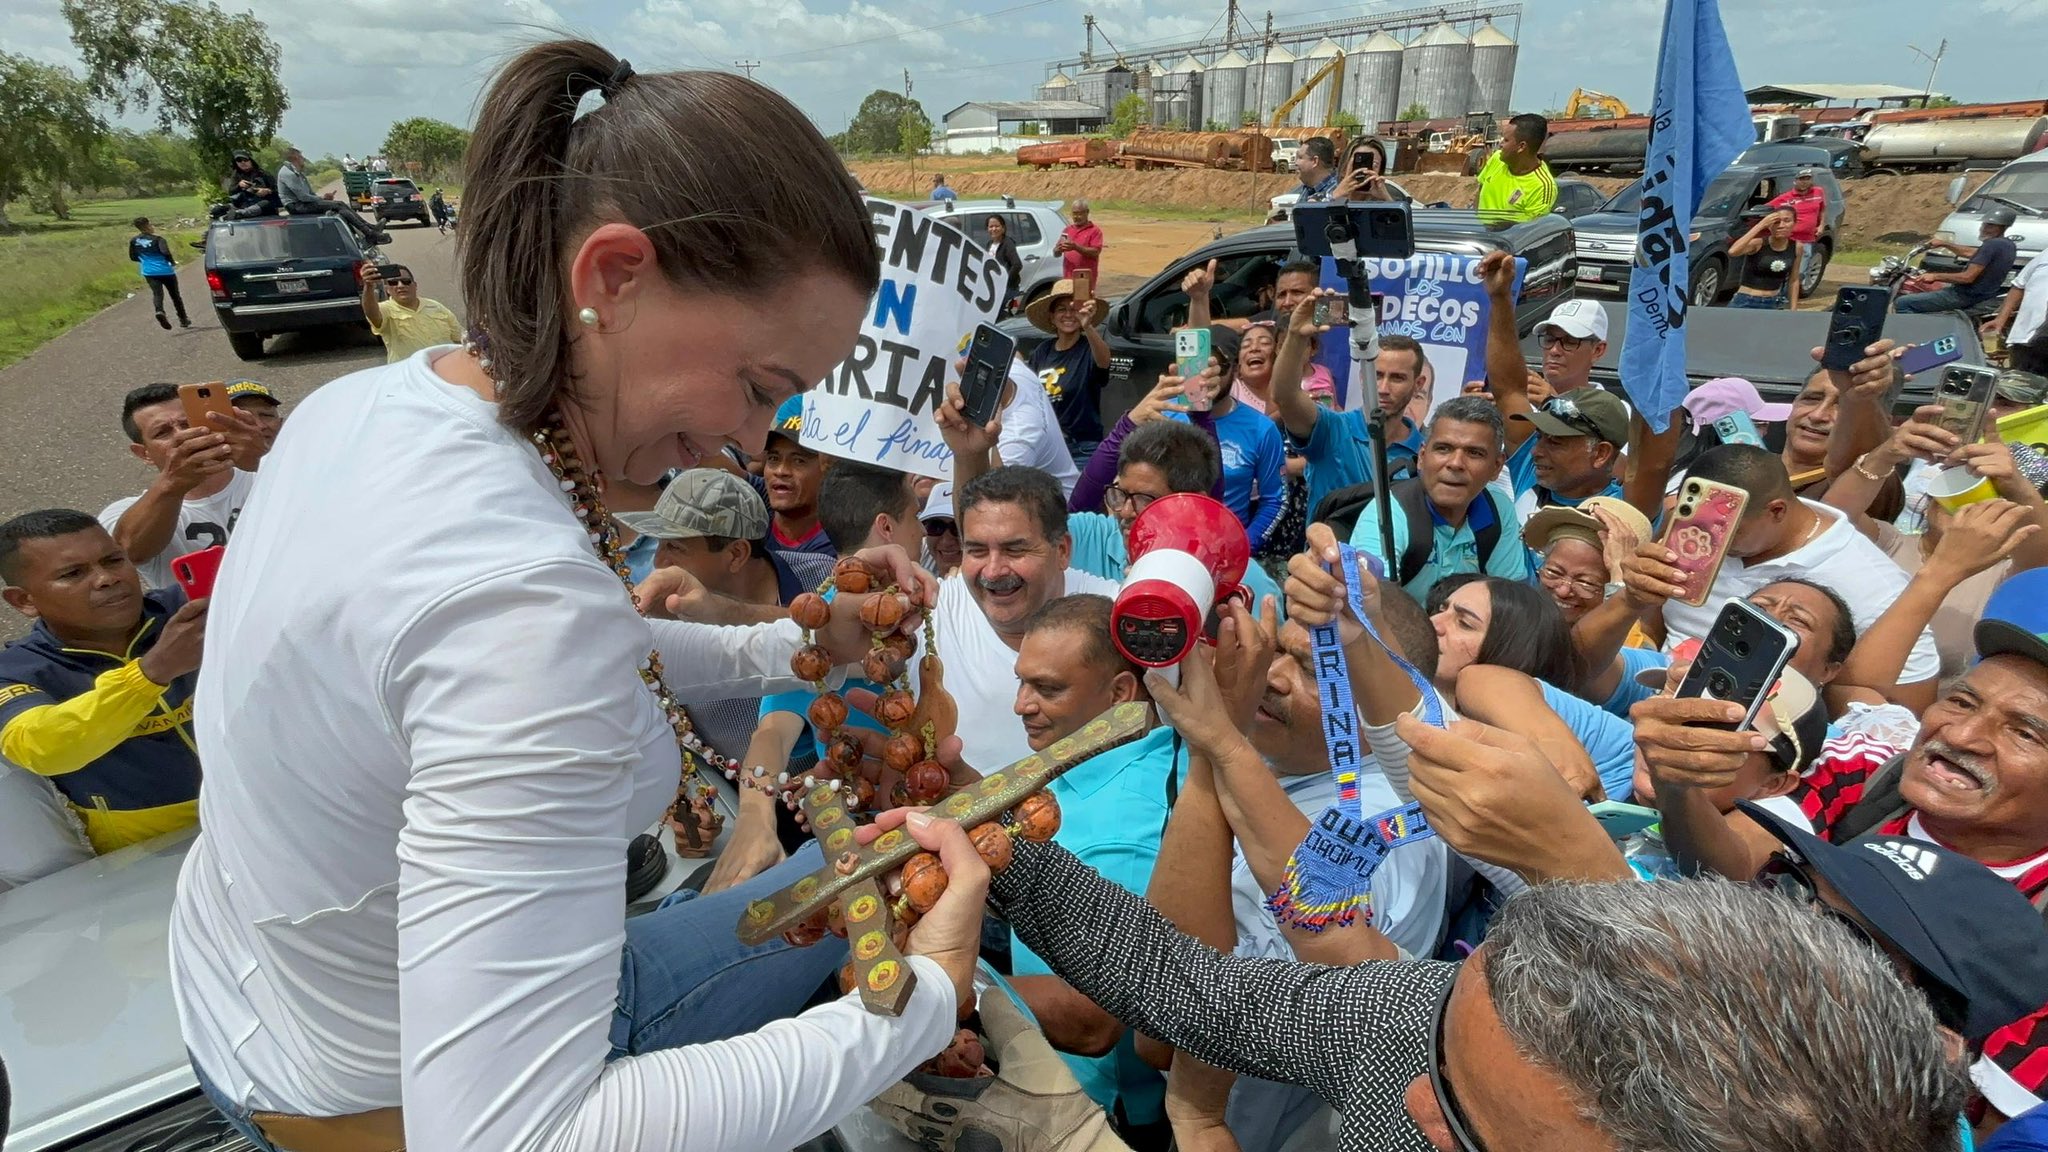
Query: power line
[747,66]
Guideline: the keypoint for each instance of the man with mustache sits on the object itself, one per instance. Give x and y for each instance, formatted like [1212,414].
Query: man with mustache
[98,696]
[1975,781]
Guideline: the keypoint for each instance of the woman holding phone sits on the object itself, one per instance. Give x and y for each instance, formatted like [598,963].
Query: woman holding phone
[432,720]
[1770,265]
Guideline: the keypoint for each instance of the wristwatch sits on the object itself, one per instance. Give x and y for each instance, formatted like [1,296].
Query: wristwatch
[1612,589]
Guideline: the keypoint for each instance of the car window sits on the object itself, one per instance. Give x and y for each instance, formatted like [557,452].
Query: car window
[1243,286]
[283,239]
[1022,227]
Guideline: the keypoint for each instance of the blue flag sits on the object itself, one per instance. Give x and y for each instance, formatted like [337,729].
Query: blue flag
[1699,124]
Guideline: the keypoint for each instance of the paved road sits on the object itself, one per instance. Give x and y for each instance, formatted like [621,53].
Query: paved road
[60,409]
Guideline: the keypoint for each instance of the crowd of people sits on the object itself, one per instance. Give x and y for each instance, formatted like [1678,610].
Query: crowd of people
[495,617]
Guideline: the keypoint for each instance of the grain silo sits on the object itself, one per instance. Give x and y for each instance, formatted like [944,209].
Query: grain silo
[1092,87]
[1436,72]
[1314,111]
[1223,91]
[1177,95]
[1268,83]
[1060,87]
[1372,81]
[1493,70]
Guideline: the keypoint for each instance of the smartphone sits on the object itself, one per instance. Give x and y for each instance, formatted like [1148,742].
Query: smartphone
[387,271]
[1701,529]
[988,369]
[1191,350]
[201,399]
[1738,428]
[1965,395]
[1621,821]
[1333,311]
[195,571]
[1084,285]
[1740,660]
[1919,358]
[1856,324]
[1361,228]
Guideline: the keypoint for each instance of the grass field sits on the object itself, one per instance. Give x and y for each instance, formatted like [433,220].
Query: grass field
[59,272]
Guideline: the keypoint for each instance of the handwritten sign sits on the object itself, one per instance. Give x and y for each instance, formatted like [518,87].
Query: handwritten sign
[878,405]
[1436,299]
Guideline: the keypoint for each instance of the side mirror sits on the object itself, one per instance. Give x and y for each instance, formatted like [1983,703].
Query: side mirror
[1955,190]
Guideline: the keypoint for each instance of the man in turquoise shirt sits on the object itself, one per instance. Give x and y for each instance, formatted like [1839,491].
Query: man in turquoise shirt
[1113,811]
[1459,460]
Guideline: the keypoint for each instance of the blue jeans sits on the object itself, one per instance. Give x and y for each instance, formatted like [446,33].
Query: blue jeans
[1776,303]
[685,978]
[1945,299]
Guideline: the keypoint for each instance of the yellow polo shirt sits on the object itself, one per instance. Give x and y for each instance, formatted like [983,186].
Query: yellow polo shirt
[407,330]
[1518,197]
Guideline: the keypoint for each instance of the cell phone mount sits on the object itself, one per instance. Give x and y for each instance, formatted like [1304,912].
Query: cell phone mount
[1340,232]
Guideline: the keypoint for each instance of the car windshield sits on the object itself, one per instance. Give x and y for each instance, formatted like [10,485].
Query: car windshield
[283,239]
[2026,185]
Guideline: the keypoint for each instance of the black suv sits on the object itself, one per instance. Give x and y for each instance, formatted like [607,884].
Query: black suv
[283,274]
[1140,326]
[1732,205]
[396,198]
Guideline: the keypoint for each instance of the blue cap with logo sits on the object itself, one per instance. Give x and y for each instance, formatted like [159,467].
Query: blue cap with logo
[2015,620]
[789,419]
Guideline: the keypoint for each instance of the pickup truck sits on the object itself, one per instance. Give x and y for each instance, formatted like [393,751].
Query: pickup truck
[1140,326]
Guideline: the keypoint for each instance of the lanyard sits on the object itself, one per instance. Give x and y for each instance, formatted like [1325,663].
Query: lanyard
[1329,876]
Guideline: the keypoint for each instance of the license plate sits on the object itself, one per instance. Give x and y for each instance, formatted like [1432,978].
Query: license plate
[1589,275]
[291,285]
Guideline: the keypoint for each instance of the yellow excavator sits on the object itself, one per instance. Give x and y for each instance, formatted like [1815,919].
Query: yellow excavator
[1587,104]
[1331,73]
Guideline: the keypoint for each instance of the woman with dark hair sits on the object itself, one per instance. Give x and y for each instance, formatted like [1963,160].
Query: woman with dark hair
[431,718]
[1005,251]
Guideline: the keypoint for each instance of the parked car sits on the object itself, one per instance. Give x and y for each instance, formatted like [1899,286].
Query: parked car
[1284,149]
[2021,186]
[1140,326]
[1731,205]
[281,274]
[1034,226]
[397,198]
[1835,154]
[1576,198]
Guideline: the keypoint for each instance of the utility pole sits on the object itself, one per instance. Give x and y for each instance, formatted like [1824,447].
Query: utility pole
[903,128]
[747,66]
[1934,67]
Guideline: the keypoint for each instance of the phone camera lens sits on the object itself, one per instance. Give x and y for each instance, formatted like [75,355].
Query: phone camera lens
[1720,684]
[1740,648]
[1735,625]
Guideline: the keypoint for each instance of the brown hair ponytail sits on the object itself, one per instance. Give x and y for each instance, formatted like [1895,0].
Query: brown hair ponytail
[661,154]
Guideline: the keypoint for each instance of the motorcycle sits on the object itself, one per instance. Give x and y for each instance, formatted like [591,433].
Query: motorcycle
[1906,275]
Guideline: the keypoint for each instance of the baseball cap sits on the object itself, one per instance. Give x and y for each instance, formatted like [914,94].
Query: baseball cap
[1965,928]
[1794,718]
[1728,394]
[703,502]
[789,420]
[938,505]
[1803,174]
[1587,411]
[2016,387]
[2015,619]
[1580,318]
[1547,524]
[249,389]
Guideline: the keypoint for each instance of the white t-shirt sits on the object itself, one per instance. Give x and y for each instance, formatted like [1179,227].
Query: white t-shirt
[2033,284]
[202,523]
[981,671]
[1840,558]
[427,744]
[1031,430]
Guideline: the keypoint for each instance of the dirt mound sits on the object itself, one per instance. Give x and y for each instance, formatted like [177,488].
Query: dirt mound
[1879,209]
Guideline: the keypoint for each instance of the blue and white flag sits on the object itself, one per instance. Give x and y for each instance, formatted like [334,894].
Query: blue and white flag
[1699,124]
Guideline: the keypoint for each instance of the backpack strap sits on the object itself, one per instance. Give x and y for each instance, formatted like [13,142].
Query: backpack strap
[1415,506]
[1488,538]
[1879,803]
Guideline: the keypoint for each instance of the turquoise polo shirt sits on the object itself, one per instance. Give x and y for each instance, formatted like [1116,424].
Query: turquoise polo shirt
[1099,550]
[1530,496]
[1339,452]
[1609,742]
[1628,692]
[1113,811]
[1453,550]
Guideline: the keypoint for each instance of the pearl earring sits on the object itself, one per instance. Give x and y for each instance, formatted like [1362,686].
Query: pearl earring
[588,316]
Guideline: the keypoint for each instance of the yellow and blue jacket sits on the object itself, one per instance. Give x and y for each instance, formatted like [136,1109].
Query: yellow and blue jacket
[118,746]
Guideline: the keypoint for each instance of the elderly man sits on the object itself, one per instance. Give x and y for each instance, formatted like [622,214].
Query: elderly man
[1080,245]
[1980,280]
[1975,780]
[301,200]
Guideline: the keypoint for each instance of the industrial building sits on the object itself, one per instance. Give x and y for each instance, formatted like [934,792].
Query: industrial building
[981,125]
[1454,60]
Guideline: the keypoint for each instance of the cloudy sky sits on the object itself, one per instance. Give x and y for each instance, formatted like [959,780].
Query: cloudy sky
[354,66]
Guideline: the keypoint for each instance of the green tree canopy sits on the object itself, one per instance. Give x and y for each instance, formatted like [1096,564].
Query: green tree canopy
[213,73]
[887,122]
[437,146]
[1128,114]
[1415,111]
[48,128]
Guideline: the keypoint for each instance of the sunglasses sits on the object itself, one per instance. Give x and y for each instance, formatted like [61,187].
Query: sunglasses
[1462,1138]
[941,527]
[400,282]
[1569,412]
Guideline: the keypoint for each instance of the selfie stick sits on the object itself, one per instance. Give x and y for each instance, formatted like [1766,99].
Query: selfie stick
[1365,349]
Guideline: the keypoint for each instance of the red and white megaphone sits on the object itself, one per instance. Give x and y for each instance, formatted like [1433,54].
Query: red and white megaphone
[1188,553]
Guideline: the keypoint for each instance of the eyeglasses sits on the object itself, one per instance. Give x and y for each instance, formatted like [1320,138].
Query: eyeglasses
[1552,574]
[1787,875]
[1115,497]
[1552,338]
[937,526]
[1460,1127]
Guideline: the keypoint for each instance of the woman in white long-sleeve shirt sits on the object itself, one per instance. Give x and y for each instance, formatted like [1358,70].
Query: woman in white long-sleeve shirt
[426,728]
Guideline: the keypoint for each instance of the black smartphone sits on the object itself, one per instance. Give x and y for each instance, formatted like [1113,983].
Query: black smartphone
[1740,660]
[1355,229]
[988,368]
[1856,324]
[389,271]
[1965,396]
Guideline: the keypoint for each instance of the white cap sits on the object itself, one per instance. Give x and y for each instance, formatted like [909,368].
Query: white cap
[1578,318]
[938,505]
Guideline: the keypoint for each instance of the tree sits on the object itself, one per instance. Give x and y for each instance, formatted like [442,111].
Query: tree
[1127,115]
[437,146]
[887,122]
[48,130]
[211,72]
[1415,111]
[1346,121]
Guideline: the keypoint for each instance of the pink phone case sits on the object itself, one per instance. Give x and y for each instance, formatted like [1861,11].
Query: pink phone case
[1702,526]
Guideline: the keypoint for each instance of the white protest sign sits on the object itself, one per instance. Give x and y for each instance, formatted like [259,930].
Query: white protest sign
[878,406]
[1438,300]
